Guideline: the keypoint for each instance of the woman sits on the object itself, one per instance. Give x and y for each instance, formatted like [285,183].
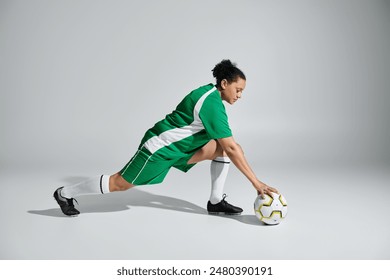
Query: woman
[196,130]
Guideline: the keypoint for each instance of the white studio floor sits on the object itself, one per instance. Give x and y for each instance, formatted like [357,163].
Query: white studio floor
[334,213]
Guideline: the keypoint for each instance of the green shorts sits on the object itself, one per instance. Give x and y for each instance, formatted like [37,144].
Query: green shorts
[145,168]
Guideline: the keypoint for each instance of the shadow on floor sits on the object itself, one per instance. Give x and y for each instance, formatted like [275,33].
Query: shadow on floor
[121,201]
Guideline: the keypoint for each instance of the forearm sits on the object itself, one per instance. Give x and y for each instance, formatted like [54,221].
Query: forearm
[236,155]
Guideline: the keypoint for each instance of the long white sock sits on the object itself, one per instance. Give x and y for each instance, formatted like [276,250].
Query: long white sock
[95,185]
[219,168]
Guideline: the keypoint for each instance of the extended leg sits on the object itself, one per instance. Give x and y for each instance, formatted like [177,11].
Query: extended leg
[96,185]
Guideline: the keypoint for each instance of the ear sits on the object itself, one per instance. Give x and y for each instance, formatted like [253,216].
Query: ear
[224,84]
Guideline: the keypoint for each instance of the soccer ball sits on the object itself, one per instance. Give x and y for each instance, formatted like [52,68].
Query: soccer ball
[271,210]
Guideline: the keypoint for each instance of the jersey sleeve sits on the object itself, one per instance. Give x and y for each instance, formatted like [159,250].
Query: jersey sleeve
[214,118]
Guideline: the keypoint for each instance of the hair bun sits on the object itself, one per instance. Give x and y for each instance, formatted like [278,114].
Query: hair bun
[228,63]
[222,67]
[227,70]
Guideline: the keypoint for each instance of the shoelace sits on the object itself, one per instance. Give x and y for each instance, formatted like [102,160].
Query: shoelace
[223,201]
[70,201]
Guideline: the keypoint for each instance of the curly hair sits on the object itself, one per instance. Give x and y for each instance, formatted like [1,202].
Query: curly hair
[227,70]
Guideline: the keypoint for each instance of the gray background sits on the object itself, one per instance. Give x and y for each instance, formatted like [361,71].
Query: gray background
[80,82]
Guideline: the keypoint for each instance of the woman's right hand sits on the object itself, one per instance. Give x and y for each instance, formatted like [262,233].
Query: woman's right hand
[263,189]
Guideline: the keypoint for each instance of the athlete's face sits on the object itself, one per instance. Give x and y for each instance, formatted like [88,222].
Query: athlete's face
[233,91]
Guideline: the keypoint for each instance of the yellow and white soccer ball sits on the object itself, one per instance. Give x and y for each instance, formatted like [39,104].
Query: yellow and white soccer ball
[271,210]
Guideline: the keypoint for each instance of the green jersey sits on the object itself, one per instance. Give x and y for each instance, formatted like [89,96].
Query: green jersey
[199,117]
[171,142]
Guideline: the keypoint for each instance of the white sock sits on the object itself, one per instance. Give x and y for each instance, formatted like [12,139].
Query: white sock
[93,185]
[219,168]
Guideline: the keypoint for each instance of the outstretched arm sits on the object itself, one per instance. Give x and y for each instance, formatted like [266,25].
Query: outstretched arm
[236,155]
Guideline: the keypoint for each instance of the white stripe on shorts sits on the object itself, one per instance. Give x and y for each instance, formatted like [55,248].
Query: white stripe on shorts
[131,161]
[146,161]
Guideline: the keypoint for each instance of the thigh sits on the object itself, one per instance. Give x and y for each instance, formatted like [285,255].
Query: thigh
[182,163]
[145,169]
[208,152]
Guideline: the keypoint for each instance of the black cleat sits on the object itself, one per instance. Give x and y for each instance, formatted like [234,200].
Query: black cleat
[66,204]
[223,207]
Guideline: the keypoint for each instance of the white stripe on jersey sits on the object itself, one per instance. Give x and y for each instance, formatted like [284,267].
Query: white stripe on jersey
[177,134]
